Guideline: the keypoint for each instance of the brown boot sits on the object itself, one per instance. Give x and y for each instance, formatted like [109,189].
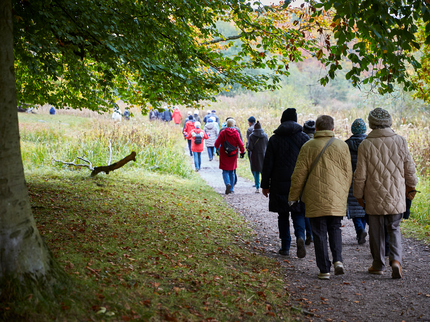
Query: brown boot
[397,270]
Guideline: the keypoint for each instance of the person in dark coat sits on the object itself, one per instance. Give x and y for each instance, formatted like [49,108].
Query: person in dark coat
[52,110]
[279,162]
[166,115]
[353,209]
[153,114]
[257,144]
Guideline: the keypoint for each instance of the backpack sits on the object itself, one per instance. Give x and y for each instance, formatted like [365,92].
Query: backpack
[198,139]
[229,148]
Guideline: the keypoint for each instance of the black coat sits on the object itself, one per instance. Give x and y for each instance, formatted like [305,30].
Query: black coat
[279,162]
[353,208]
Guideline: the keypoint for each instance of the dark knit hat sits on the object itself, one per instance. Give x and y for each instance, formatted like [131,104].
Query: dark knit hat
[257,125]
[251,119]
[289,114]
[358,127]
[379,119]
[190,117]
[309,127]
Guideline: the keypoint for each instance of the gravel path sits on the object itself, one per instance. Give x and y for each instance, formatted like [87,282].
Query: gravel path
[354,296]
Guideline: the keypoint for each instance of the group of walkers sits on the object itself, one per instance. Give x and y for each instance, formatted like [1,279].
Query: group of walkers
[306,172]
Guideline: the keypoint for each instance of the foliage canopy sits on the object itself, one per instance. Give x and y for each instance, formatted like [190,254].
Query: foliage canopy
[89,53]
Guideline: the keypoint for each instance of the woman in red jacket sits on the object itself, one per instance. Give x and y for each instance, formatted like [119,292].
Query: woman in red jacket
[188,126]
[228,163]
[177,116]
[197,135]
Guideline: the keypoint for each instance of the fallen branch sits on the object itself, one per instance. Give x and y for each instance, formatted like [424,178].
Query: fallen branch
[114,166]
[89,166]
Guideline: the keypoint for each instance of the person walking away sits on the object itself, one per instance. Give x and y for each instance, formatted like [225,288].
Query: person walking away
[251,123]
[353,209]
[228,162]
[278,166]
[309,129]
[153,114]
[196,115]
[324,187]
[52,110]
[197,136]
[177,116]
[215,116]
[127,114]
[257,146]
[166,115]
[385,170]
[188,127]
[207,116]
[212,131]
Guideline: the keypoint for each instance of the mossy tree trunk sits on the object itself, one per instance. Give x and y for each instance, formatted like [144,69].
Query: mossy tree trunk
[24,257]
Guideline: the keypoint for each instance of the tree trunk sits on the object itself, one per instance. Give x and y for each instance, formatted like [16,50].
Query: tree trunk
[24,257]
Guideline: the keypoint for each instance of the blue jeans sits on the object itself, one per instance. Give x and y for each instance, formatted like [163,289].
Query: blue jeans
[189,147]
[257,176]
[284,226]
[197,159]
[211,152]
[229,178]
[321,226]
[359,224]
[308,229]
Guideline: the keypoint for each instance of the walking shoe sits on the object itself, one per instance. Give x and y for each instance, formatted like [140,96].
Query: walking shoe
[257,190]
[324,276]
[301,249]
[227,189]
[373,271]
[338,268]
[284,252]
[397,270]
[309,240]
[362,237]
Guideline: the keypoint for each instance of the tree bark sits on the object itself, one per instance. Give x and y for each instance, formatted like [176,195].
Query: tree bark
[24,256]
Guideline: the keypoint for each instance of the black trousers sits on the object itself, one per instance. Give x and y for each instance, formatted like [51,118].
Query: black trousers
[321,226]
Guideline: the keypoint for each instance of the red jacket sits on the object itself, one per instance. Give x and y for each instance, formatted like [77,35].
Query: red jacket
[177,116]
[189,125]
[232,136]
[197,147]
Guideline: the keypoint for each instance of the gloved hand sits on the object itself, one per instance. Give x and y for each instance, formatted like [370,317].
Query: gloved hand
[242,155]
[217,152]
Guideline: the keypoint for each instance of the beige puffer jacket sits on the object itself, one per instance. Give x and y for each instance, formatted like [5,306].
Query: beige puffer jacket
[384,167]
[326,190]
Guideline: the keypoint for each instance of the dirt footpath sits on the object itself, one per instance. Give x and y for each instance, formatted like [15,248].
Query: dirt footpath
[354,296]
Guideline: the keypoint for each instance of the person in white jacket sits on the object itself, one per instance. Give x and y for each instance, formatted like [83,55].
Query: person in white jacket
[384,169]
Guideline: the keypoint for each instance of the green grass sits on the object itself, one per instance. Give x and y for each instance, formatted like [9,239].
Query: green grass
[150,246]
[149,241]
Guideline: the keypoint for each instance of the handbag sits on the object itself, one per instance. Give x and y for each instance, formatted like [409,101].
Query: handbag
[297,206]
[229,148]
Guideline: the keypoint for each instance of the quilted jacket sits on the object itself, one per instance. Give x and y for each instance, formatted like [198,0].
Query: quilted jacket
[326,190]
[353,209]
[384,167]
[211,129]
[279,161]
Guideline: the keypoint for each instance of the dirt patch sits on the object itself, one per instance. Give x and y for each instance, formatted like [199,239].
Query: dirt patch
[355,296]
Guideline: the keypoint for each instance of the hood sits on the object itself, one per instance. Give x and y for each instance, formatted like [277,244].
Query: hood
[259,133]
[288,128]
[210,126]
[229,131]
[381,133]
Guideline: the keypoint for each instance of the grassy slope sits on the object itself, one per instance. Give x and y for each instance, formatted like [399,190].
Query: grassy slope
[146,246]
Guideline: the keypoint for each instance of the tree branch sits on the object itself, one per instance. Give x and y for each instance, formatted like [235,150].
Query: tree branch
[116,165]
[89,166]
